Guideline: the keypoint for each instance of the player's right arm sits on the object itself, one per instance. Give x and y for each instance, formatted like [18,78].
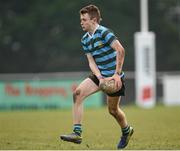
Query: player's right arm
[93,66]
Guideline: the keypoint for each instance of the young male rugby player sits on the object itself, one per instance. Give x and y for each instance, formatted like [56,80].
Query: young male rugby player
[105,55]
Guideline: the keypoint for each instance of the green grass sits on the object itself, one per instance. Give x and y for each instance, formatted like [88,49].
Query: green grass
[157,128]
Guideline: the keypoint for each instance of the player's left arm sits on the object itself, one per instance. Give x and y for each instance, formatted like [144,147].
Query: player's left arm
[120,54]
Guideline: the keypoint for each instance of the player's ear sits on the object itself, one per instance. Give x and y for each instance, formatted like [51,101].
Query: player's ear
[94,20]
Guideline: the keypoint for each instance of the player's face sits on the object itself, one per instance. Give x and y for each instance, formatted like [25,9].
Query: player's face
[86,22]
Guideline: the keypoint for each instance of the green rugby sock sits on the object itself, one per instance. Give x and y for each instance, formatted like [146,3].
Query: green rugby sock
[125,130]
[77,129]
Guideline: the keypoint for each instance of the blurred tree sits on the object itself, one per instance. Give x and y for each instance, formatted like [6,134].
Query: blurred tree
[167,40]
[44,35]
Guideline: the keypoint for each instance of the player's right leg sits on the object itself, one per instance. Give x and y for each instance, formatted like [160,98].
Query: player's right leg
[86,88]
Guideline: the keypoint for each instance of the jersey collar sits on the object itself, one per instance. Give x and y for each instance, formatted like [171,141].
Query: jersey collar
[91,35]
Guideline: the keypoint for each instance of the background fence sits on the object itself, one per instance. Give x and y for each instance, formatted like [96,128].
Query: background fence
[54,90]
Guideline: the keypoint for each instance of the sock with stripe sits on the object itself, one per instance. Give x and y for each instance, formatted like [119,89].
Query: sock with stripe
[77,129]
[125,130]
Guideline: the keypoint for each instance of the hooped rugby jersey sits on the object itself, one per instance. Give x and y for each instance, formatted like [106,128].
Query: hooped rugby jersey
[99,46]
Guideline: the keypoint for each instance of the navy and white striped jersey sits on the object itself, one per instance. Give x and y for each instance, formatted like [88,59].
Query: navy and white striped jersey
[99,46]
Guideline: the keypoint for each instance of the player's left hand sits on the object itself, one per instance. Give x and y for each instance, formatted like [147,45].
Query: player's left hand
[117,80]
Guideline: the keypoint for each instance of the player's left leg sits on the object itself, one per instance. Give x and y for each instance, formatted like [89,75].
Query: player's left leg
[115,111]
[119,115]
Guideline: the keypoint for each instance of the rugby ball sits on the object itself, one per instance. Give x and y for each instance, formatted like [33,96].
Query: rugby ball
[108,86]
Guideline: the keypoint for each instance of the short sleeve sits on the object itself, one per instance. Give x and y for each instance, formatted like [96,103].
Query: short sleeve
[84,46]
[109,36]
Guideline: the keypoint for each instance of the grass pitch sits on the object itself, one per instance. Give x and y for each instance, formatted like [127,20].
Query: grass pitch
[157,128]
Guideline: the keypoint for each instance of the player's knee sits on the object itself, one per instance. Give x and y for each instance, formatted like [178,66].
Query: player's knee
[113,111]
[76,95]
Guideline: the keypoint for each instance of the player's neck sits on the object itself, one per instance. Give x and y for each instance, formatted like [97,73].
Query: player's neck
[93,29]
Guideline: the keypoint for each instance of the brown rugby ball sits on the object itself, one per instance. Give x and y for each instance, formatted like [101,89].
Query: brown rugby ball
[108,86]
